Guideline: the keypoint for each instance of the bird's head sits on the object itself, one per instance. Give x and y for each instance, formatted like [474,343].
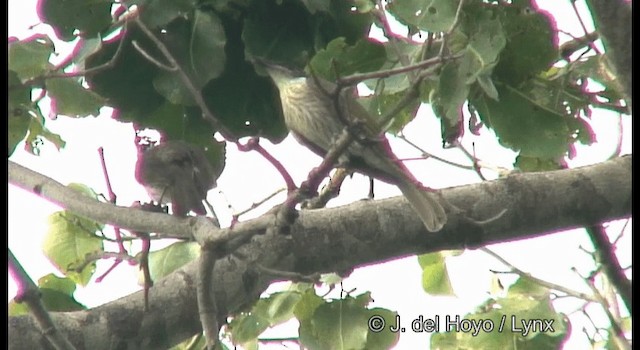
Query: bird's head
[280,75]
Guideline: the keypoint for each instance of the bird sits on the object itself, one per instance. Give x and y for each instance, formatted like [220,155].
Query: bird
[310,115]
[178,172]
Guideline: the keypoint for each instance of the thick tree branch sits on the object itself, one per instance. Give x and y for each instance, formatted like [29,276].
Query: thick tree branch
[132,219]
[340,239]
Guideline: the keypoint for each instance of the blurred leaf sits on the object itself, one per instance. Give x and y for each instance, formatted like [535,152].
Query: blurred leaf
[364,56]
[166,260]
[385,339]
[129,90]
[278,307]
[340,324]
[314,6]
[56,295]
[68,241]
[380,104]
[158,13]
[29,58]
[307,305]
[37,131]
[18,111]
[522,124]
[197,45]
[69,98]
[532,164]
[531,44]
[431,15]
[246,103]
[435,277]
[281,32]
[67,16]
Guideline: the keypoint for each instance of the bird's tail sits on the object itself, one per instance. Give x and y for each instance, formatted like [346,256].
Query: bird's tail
[425,204]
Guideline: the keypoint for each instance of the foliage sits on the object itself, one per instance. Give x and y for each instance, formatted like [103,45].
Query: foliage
[501,64]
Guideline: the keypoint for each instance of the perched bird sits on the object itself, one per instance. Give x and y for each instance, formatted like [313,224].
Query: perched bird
[310,114]
[176,172]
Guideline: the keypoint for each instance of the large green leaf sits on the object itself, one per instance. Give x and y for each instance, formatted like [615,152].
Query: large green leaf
[431,15]
[524,125]
[197,44]
[29,58]
[89,17]
[339,58]
[435,277]
[125,88]
[339,324]
[166,260]
[70,98]
[18,113]
[531,43]
[56,294]
[68,241]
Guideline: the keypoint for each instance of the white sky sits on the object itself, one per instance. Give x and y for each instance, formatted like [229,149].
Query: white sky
[394,285]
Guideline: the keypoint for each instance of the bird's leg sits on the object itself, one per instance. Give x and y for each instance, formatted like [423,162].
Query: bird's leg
[371,193]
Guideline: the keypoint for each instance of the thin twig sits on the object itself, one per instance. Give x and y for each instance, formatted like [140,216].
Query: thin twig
[584,28]
[426,154]
[473,158]
[254,205]
[254,145]
[543,283]
[151,59]
[355,79]
[289,275]
[607,258]
[332,190]
[618,333]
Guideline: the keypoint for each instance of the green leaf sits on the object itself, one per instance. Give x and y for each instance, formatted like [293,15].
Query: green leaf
[37,131]
[69,98]
[380,104]
[532,164]
[280,31]
[314,6]
[56,294]
[451,92]
[523,124]
[244,111]
[307,305]
[68,241]
[247,327]
[343,59]
[267,312]
[158,13]
[431,15]
[29,58]
[278,307]
[89,17]
[340,324]
[198,47]
[129,90]
[85,190]
[384,339]
[331,279]
[166,260]
[18,111]
[435,278]
[531,44]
